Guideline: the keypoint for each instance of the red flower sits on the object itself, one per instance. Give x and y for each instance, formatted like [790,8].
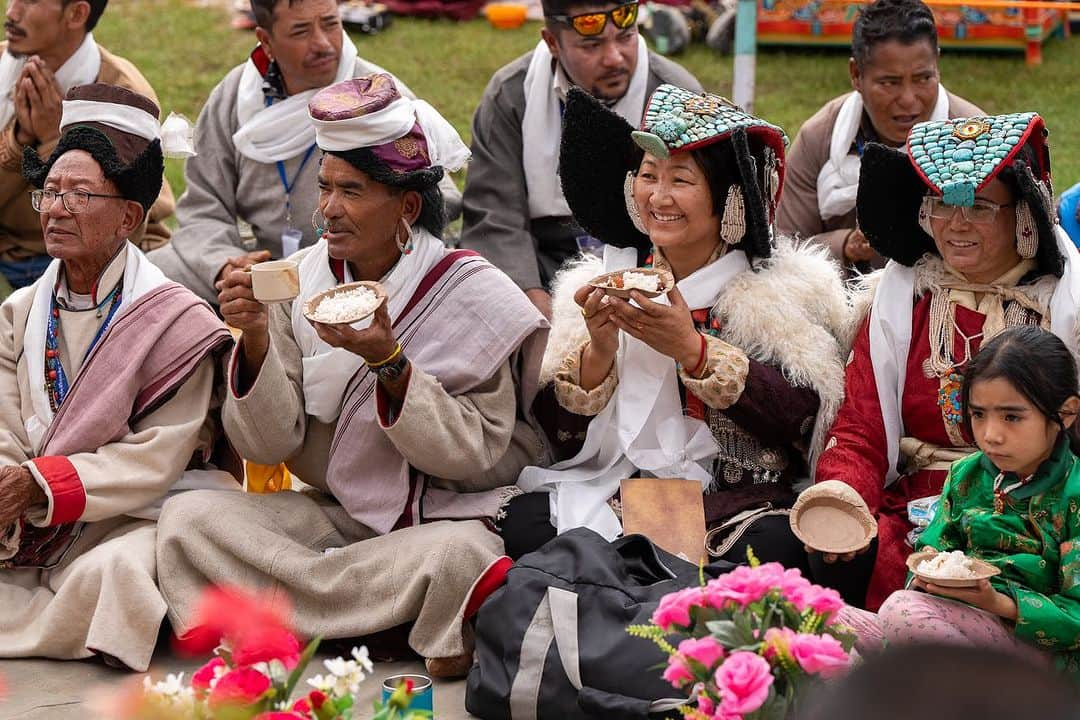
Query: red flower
[317,698]
[265,644]
[239,687]
[256,630]
[200,681]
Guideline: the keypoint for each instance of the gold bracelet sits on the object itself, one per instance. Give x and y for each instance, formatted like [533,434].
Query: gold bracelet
[387,361]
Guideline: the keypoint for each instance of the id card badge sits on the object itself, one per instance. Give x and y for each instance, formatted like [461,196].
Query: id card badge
[588,245]
[290,241]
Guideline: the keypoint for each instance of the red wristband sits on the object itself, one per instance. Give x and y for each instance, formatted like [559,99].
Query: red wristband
[701,357]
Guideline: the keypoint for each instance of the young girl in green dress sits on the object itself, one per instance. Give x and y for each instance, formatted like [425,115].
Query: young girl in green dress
[1015,504]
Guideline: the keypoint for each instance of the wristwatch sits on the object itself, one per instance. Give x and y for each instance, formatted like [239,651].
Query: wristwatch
[392,370]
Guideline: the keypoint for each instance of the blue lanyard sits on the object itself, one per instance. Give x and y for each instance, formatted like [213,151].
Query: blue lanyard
[289,186]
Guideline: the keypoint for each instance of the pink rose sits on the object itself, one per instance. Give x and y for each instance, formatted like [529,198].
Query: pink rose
[823,601]
[743,585]
[200,681]
[239,687]
[674,608]
[744,680]
[792,583]
[705,703]
[677,673]
[819,654]
[706,651]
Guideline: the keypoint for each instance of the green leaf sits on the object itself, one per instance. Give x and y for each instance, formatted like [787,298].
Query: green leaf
[301,665]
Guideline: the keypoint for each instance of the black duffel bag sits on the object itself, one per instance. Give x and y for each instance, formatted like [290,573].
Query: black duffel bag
[551,644]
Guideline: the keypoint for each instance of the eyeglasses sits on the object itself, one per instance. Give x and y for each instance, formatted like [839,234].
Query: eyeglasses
[982,212]
[592,24]
[74,200]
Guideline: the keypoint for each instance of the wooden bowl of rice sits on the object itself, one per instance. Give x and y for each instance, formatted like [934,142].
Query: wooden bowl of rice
[345,304]
[621,282]
[977,570]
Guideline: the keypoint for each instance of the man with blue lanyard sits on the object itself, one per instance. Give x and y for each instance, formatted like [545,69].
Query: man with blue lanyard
[256,165]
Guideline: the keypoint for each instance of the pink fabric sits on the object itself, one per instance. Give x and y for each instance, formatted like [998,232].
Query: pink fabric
[144,356]
[469,322]
[908,617]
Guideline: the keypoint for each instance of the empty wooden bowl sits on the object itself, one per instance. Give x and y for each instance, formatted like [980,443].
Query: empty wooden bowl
[832,517]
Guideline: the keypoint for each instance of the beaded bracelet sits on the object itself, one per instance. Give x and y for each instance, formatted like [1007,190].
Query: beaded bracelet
[387,361]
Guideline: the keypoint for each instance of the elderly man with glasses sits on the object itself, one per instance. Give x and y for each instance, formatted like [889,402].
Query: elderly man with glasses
[515,213]
[106,376]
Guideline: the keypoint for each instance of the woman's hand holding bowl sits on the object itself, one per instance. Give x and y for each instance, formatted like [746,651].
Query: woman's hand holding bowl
[599,355]
[667,329]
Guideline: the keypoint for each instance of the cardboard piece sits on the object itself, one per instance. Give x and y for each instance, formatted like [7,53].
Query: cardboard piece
[668,511]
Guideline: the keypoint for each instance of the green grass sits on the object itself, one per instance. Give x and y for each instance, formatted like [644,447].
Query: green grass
[185,49]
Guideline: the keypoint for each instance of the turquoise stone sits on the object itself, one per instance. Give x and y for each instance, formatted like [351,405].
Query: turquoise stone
[963,154]
[958,192]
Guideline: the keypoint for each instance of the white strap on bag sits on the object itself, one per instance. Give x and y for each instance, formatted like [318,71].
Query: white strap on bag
[555,619]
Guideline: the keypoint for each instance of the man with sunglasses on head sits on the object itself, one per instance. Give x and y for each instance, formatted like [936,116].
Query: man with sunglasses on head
[515,213]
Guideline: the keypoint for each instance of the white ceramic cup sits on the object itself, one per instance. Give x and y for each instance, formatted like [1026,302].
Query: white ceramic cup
[275,281]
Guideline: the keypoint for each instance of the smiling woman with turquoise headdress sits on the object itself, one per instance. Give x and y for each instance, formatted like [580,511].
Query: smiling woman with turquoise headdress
[721,379]
[964,213]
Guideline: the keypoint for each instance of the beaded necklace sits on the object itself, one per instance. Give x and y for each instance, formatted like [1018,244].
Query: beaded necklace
[56,381]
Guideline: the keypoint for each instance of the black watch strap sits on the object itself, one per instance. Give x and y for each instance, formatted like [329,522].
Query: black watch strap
[392,370]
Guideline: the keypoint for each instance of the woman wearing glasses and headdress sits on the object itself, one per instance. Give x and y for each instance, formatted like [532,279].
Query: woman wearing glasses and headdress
[964,214]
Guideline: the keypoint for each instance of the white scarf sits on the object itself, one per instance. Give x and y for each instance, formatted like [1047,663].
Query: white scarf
[140,277]
[282,130]
[890,336]
[327,370]
[643,427]
[82,68]
[838,181]
[541,127]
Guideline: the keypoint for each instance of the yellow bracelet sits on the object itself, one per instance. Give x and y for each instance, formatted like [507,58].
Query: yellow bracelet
[387,361]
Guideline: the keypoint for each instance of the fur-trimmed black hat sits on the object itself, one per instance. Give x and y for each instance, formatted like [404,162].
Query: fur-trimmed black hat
[119,128]
[954,159]
[599,148]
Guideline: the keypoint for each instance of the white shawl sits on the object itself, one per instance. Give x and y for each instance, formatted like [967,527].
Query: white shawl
[890,336]
[140,277]
[82,68]
[838,181]
[643,426]
[541,127]
[327,370]
[269,133]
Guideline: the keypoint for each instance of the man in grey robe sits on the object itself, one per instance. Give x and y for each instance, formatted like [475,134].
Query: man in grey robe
[257,162]
[515,213]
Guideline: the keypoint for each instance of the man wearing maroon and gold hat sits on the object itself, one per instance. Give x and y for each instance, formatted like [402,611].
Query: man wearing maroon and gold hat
[106,372]
[413,422]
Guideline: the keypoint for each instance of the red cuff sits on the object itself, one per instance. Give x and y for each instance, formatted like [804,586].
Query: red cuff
[68,495]
[492,579]
[387,409]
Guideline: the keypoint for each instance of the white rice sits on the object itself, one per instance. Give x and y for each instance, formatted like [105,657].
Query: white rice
[640,281]
[346,306]
[953,565]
